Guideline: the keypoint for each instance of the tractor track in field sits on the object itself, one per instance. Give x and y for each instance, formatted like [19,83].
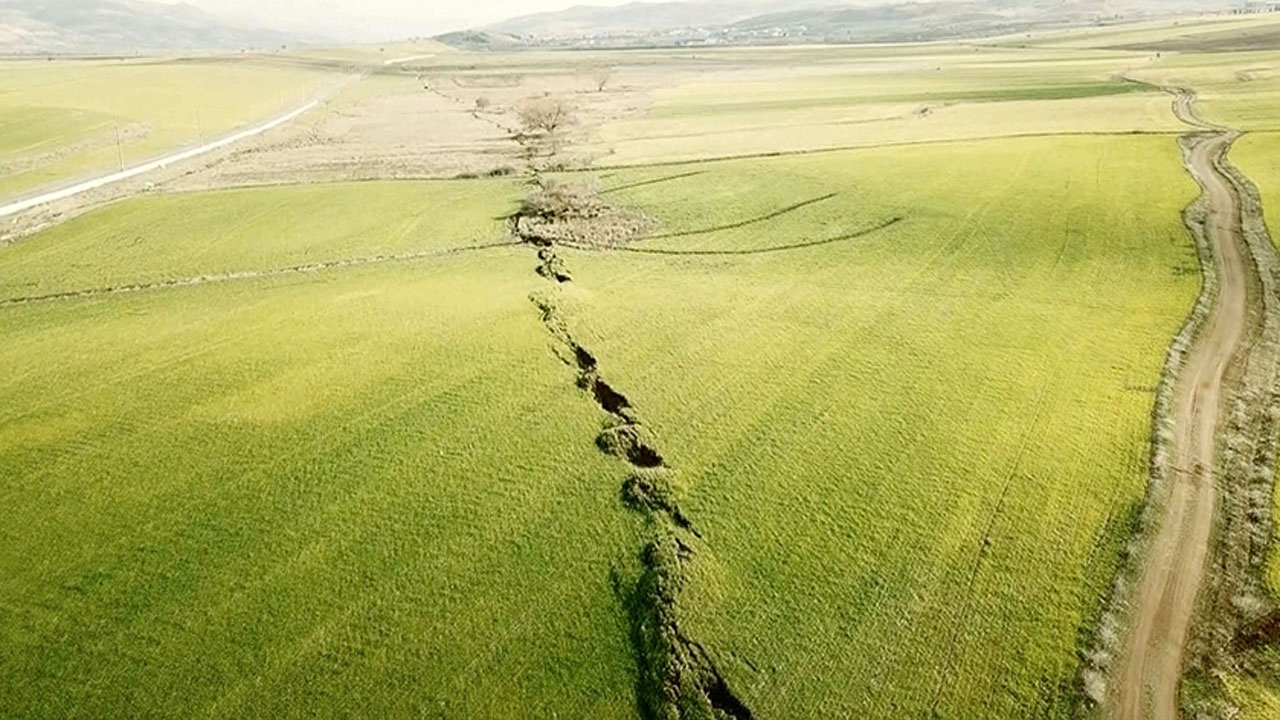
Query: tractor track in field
[211,278]
[1178,545]
[881,225]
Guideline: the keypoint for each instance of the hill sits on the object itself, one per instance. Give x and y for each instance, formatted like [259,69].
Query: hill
[40,26]
[712,22]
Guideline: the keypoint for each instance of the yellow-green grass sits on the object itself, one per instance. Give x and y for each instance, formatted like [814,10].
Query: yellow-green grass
[169,237]
[1255,698]
[369,492]
[59,119]
[979,93]
[914,455]
[1241,90]
[1205,28]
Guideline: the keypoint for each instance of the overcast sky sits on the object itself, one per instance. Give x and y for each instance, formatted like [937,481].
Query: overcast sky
[380,19]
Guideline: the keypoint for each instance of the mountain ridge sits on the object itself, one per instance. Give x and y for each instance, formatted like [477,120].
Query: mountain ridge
[710,22]
[86,26]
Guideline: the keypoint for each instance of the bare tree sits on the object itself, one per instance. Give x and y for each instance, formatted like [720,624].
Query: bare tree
[601,77]
[545,115]
[482,103]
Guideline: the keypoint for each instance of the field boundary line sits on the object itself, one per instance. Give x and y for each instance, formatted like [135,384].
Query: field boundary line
[211,278]
[871,146]
[749,221]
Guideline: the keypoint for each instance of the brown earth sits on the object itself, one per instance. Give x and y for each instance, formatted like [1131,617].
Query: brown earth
[1146,681]
[417,125]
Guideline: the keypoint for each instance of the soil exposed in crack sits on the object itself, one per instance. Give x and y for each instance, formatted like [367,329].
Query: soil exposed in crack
[1178,550]
[677,679]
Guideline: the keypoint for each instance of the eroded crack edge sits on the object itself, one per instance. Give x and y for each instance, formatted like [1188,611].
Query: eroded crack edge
[677,678]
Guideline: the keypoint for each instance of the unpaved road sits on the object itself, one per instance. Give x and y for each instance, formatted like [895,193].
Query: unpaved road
[1145,684]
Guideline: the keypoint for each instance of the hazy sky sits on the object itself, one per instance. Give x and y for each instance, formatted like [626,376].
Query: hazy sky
[380,19]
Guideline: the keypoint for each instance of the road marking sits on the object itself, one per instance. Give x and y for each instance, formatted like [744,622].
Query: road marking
[397,61]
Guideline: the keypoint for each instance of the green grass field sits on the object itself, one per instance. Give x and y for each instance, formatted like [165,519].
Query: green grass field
[310,451]
[58,120]
[914,453]
[375,489]
[183,235]
[850,100]
[362,492]
[1239,89]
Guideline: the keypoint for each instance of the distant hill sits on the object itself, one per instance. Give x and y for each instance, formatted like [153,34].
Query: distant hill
[643,17]
[710,22]
[477,40]
[49,26]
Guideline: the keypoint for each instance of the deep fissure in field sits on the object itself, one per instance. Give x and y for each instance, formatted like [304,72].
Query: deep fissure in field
[676,679]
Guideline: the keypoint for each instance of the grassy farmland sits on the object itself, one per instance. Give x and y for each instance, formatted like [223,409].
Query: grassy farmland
[348,503]
[184,235]
[59,120]
[856,97]
[886,545]
[289,497]
[895,324]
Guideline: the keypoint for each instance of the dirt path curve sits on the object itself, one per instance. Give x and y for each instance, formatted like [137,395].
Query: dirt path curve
[1145,684]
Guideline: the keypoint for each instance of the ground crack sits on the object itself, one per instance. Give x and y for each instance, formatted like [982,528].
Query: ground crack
[677,678]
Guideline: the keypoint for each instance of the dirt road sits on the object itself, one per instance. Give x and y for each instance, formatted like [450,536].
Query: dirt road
[1145,684]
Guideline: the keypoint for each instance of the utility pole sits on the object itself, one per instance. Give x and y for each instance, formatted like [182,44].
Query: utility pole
[119,150]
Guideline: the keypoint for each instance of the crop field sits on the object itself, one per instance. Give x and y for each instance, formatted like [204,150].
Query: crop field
[1192,35]
[321,428]
[1239,89]
[183,235]
[289,496]
[59,120]
[847,100]
[884,544]
[350,504]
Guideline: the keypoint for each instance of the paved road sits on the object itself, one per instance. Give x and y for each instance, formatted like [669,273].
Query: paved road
[83,187]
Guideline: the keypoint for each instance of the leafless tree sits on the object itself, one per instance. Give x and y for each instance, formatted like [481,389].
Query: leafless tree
[601,76]
[545,115]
